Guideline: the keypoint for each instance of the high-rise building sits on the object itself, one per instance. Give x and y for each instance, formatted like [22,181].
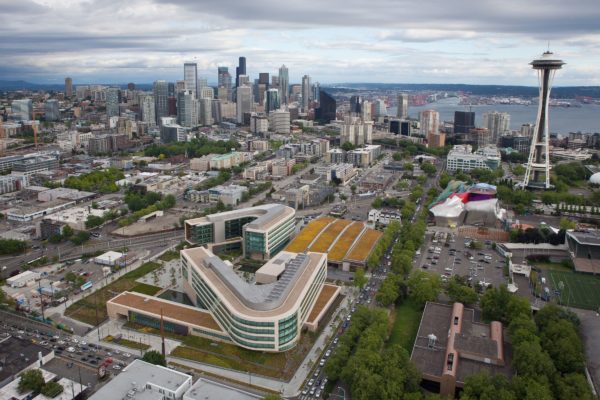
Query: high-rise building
[52,110]
[240,70]
[356,104]
[147,107]
[263,78]
[316,87]
[305,93]
[112,102]
[380,108]
[496,123]
[327,108]
[279,121]
[464,121]
[284,84]
[224,82]
[187,109]
[68,87]
[402,111]
[366,111]
[190,76]
[22,110]
[356,131]
[131,86]
[527,130]
[430,122]
[206,93]
[537,174]
[216,111]
[171,89]
[179,86]
[205,115]
[243,102]
[272,100]
[161,103]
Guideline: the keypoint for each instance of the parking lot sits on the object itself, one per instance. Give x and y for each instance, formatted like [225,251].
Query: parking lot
[447,254]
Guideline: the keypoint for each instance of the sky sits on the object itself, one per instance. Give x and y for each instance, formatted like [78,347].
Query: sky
[333,41]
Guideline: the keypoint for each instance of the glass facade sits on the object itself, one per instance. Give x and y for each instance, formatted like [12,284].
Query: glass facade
[152,322]
[280,236]
[255,242]
[234,227]
[202,234]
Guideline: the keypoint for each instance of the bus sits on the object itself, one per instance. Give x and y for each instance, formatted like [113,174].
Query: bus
[86,285]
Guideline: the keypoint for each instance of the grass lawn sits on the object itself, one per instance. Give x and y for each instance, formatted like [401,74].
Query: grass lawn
[144,288]
[580,290]
[552,266]
[127,343]
[169,256]
[406,318]
[85,310]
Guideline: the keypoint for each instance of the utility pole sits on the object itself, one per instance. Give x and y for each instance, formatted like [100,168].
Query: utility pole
[162,334]
[41,300]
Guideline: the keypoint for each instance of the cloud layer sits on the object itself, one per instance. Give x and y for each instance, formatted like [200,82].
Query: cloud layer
[434,41]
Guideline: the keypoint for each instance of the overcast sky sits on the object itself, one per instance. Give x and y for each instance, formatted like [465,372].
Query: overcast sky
[393,41]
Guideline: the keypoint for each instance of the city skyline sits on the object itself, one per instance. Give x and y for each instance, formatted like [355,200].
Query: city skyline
[440,42]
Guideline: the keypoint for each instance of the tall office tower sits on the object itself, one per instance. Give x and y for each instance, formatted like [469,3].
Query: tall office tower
[244,80]
[202,83]
[206,93]
[161,104]
[263,78]
[172,106]
[355,104]
[496,123]
[52,110]
[171,89]
[430,122]
[205,116]
[402,111]
[131,86]
[273,101]
[68,87]
[537,174]
[240,70]
[464,121]
[22,110]
[190,76]
[527,130]
[187,109]
[366,111]
[327,108]
[179,86]
[224,81]
[305,93]
[316,88]
[275,83]
[112,102]
[216,111]
[262,85]
[284,84]
[380,108]
[147,107]
[243,102]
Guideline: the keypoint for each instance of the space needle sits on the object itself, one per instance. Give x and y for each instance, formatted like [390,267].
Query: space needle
[537,175]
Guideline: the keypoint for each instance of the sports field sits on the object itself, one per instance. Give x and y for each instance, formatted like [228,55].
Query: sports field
[580,290]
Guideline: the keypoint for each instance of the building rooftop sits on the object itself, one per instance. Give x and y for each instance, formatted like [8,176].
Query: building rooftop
[176,311]
[205,389]
[267,215]
[590,238]
[18,354]
[131,383]
[258,300]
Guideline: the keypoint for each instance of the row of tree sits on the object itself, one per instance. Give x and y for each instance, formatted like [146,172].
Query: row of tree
[547,357]
[195,148]
[12,246]
[96,181]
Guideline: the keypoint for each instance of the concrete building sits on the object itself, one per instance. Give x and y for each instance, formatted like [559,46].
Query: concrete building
[112,102]
[497,123]
[436,139]
[29,213]
[383,217]
[142,380]
[584,249]
[243,102]
[356,131]
[335,156]
[190,77]
[19,355]
[201,163]
[259,123]
[337,172]
[263,230]
[429,122]
[230,195]
[279,121]
[363,157]
[75,217]
[226,161]
[187,108]
[283,84]
[207,389]
[462,158]
[450,346]
[402,111]
[161,99]
[13,183]
[171,132]
[306,92]
[205,111]
[23,279]
[68,87]
[282,167]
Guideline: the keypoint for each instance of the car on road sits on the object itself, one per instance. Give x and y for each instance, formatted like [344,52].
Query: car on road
[323,384]
[117,367]
[310,383]
[318,393]
[322,362]
[305,392]
[71,349]
[327,353]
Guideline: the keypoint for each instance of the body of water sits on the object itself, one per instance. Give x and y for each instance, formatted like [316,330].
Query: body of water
[562,120]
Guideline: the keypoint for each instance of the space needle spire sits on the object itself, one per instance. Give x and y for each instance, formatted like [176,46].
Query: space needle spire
[537,175]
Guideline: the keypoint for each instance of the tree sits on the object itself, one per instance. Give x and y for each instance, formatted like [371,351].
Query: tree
[67,232]
[574,386]
[423,286]
[360,280]
[428,168]
[80,237]
[519,170]
[530,360]
[482,386]
[93,221]
[31,380]
[12,246]
[459,292]
[377,203]
[353,188]
[154,357]
[567,224]
[498,304]
[561,342]
[347,146]
[52,389]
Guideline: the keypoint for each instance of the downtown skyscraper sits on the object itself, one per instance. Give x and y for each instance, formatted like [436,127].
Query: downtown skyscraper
[240,70]
[402,111]
[306,92]
[284,84]
[160,91]
[190,77]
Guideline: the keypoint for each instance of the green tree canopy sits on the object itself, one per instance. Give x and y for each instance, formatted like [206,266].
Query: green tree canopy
[154,357]
[31,380]
[423,286]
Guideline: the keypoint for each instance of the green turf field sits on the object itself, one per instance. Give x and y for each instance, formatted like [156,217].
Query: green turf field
[580,290]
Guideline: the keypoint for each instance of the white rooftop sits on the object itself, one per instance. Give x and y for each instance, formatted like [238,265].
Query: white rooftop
[205,389]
